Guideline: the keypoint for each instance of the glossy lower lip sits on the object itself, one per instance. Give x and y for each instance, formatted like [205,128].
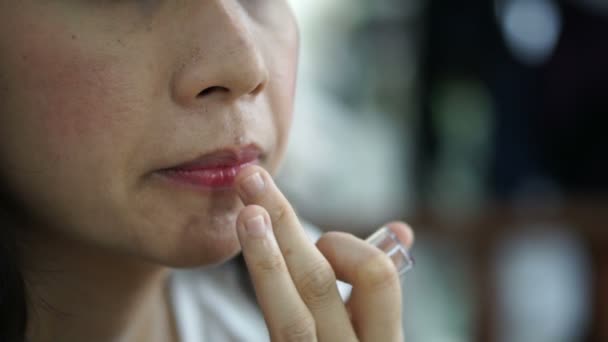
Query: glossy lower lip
[213,178]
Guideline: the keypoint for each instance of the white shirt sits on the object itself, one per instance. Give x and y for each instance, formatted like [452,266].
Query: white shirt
[212,304]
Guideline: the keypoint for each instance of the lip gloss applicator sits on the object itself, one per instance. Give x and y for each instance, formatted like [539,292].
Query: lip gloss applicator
[385,239]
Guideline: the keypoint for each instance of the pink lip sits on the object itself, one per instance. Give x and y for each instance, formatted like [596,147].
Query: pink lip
[216,170]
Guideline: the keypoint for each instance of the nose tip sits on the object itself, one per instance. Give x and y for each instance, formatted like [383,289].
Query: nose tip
[227,63]
[243,76]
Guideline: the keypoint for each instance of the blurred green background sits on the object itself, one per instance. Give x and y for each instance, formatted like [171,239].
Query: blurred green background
[481,123]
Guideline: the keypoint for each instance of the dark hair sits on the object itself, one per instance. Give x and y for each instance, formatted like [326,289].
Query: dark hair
[13,306]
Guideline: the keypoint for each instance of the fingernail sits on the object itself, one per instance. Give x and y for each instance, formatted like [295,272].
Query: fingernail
[256,226]
[253,184]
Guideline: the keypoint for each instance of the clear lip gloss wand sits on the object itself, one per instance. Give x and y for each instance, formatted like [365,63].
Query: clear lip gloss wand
[387,241]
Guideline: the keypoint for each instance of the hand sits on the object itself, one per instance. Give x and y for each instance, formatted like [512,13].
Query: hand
[295,281]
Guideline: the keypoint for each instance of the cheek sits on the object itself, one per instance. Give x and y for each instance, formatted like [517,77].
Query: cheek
[69,104]
[72,99]
[66,86]
[69,117]
[65,128]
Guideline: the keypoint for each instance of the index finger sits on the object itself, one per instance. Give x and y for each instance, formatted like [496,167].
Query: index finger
[311,272]
[255,186]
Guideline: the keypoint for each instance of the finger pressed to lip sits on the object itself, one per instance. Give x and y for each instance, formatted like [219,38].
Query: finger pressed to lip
[311,273]
[255,186]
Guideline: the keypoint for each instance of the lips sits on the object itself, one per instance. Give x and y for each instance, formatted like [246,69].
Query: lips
[216,170]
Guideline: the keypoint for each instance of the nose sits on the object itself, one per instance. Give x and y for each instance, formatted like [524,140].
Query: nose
[224,60]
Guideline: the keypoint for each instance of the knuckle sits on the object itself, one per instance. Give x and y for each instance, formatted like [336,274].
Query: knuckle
[272,263]
[301,328]
[317,285]
[279,213]
[378,273]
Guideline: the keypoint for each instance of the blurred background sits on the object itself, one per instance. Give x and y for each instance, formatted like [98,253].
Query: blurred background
[483,124]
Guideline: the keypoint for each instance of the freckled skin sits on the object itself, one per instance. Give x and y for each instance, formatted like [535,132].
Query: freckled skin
[94,97]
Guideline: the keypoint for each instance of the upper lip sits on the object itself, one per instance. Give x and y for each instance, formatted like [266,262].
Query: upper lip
[224,157]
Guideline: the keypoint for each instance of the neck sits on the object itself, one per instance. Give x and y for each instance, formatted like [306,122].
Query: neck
[83,293]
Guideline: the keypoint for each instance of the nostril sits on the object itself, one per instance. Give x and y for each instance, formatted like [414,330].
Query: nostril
[213,89]
[257,89]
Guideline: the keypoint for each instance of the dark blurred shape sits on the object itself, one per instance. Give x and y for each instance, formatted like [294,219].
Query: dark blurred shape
[550,119]
[462,42]
[548,130]
[571,124]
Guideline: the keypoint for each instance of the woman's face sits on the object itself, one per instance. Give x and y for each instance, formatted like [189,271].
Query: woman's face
[97,96]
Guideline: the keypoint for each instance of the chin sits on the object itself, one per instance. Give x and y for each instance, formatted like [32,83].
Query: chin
[209,253]
[197,244]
